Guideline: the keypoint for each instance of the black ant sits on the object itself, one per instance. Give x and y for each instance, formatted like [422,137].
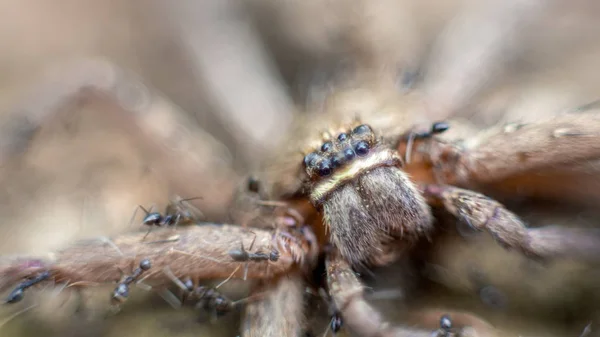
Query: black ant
[436,129]
[336,323]
[19,292]
[175,213]
[207,298]
[121,292]
[242,255]
[445,327]
[210,299]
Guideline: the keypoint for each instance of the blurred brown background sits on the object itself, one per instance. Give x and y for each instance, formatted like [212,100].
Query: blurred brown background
[231,74]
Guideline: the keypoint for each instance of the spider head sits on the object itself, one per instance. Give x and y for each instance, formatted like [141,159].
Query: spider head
[340,153]
[367,201]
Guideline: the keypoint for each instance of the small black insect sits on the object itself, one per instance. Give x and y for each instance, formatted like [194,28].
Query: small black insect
[336,322]
[445,326]
[121,292]
[436,129]
[177,212]
[242,255]
[208,299]
[19,292]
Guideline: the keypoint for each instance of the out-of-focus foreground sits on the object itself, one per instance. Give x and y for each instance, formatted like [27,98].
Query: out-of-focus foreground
[232,74]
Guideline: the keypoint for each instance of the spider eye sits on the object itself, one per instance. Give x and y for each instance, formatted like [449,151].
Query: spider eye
[342,137]
[361,129]
[338,160]
[324,168]
[361,148]
[326,147]
[311,159]
[349,154]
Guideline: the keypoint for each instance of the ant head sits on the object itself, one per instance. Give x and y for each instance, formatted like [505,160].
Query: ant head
[221,304]
[189,284]
[120,294]
[445,323]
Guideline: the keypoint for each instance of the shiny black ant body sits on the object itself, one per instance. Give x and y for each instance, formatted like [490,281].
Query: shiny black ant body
[242,255]
[207,298]
[175,213]
[19,292]
[445,327]
[121,292]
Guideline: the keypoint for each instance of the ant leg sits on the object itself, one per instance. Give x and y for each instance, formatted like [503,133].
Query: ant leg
[228,278]
[483,213]
[190,199]
[246,266]
[146,211]
[148,232]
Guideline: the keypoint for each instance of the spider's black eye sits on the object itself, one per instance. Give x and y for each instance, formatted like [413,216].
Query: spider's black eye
[326,147]
[439,127]
[361,148]
[342,137]
[361,129]
[338,160]
[311,159]
[324,168]
[349,154]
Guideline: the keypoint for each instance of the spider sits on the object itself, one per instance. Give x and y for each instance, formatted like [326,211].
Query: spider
[363,177]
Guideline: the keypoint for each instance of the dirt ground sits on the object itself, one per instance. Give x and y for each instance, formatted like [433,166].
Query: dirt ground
[232,74]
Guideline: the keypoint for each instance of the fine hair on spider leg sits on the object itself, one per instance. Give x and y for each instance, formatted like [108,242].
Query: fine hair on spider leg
[484,213]
[200,253]
[280,309]
[500,153]
[346,291]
